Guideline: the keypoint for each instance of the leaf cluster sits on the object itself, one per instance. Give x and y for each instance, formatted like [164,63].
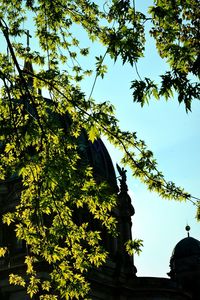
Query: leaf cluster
[175,28]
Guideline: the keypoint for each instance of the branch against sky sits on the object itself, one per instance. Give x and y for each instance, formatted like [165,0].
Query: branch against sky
[36,145]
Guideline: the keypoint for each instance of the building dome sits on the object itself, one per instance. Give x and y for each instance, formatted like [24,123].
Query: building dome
[185,256]
[101,162]
[187,247]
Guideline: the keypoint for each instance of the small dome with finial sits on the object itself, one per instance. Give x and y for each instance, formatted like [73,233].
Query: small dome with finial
[186,247]
[186,255]
[185,264]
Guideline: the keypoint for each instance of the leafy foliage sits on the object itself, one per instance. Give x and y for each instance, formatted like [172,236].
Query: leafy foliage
[40,136]
[134,246]
[176,32]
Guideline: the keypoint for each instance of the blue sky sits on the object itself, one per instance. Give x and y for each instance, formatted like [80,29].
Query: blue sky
[174,138]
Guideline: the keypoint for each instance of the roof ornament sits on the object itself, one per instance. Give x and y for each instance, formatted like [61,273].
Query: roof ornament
[28,68]
[27,32]
[122,173]
[187,228]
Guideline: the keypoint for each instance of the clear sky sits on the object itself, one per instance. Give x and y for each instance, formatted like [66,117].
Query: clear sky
[174,138]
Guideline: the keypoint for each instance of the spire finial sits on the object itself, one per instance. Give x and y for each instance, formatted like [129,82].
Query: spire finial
[28,40]
[187,228]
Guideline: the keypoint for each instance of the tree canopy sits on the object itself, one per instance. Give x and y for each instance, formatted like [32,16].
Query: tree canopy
[44,151]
